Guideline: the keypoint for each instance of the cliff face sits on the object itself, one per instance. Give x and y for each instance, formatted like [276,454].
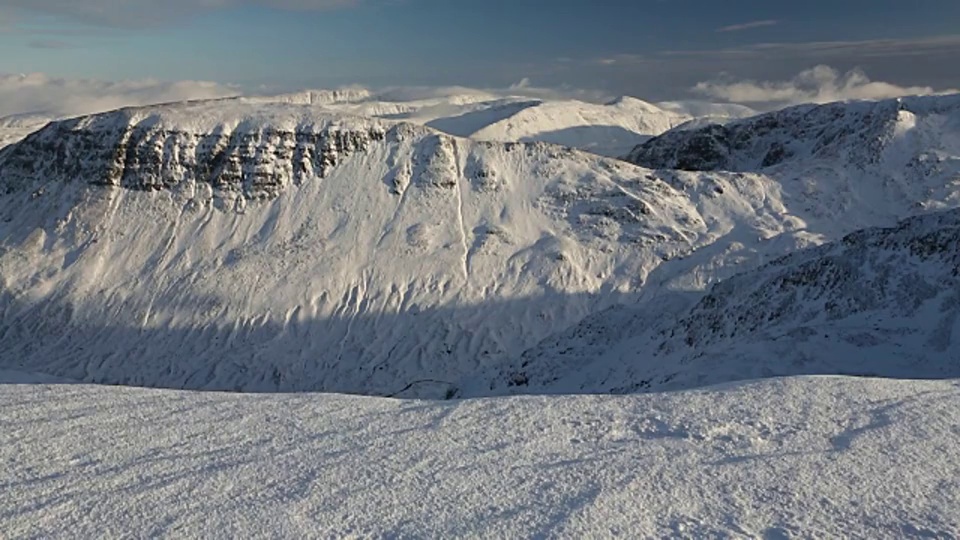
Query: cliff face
[136,149]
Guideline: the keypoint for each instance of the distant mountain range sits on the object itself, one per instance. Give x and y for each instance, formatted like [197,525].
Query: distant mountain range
[610,129]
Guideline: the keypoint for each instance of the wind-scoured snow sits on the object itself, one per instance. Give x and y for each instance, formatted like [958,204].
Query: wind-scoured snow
[825,457]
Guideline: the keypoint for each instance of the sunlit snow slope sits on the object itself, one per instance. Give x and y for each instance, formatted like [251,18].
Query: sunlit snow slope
[910,146]
[609,130]
[880,302]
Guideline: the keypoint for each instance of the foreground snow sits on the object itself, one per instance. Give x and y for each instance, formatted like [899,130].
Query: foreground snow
[826,457]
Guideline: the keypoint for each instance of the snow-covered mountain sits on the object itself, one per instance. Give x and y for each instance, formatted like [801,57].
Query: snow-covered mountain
[906,135]
[254,246]
[880,302]
[261,246]
[708,109]
[341,96]
[610,130]
[883,306]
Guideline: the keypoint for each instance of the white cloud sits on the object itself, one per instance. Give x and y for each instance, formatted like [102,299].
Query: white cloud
[57,97]
[748,26]
[820,84]
[521,84]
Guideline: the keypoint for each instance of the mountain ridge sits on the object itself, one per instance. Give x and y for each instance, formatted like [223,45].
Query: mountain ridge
[862,130]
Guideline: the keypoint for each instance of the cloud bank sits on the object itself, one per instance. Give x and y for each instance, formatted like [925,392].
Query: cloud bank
[821,84]
[57,97]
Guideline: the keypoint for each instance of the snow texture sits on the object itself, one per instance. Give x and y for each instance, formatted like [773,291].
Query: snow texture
[806,457]
[334,241]
[610,129]
[881,302]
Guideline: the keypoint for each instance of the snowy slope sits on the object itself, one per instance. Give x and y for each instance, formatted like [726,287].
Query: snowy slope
[707,109]
[460,116]
[319,97]
[881,302]
[611,129]
[817,457]
[14,128]
[455,114]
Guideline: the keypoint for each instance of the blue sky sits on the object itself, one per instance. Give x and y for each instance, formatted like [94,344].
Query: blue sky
[651,48]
